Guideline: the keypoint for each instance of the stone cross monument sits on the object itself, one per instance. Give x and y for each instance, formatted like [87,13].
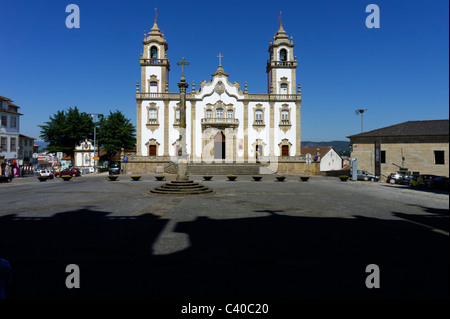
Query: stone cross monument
[182,159]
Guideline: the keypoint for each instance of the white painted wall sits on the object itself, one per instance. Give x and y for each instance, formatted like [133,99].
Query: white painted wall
[331,161]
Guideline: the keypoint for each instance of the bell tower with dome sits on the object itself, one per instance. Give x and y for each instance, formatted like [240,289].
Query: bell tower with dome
[155,66]
[282,65]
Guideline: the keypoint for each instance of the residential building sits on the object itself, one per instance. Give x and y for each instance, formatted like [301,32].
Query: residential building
[25,150]
[415,146]
[329,159]
[9,129]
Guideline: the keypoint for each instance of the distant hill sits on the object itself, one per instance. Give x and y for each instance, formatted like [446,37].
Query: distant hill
[41,144]
[339,146]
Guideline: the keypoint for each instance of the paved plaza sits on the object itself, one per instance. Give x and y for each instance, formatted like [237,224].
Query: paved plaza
[267,239]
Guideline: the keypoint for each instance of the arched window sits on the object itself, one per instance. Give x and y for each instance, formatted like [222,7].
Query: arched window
[208,114]
[230,114]
[219,113]
[154,52]
[283,55]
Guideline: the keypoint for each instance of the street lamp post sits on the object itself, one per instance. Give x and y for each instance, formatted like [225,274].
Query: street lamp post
[95,116]
[361,111]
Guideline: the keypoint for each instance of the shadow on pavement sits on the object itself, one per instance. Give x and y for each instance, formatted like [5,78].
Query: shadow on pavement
[271,256]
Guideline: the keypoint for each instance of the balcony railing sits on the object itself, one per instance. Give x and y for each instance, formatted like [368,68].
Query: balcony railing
[274,97]
[219,122]
[282,64]
[254,97]
[171,96]
[258,122]
[152,61]
[285,122]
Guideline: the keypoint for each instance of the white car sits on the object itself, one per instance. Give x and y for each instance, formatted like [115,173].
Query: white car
[45,173]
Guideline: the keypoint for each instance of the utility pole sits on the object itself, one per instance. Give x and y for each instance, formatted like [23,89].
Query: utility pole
[95,117]
[361,111]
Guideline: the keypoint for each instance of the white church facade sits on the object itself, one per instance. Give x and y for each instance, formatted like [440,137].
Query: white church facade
[224,123]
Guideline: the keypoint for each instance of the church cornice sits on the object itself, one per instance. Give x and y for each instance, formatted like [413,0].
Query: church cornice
[246,97]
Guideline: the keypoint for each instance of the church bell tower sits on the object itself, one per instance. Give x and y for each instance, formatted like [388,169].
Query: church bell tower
[154,63]
[281,68]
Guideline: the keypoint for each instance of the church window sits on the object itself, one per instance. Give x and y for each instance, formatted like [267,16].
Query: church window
[154,52]
[208,114]
[152,115]
[284,86]
[3,144]
[283,55]
[230,114]
[219,113]
[153,83]
[284,115]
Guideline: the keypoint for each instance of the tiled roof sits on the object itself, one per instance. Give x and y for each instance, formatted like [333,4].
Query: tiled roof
[410,128]
[323,150]
[26,137]
[9,111]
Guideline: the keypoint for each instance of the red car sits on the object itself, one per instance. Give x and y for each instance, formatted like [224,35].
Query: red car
[69,171]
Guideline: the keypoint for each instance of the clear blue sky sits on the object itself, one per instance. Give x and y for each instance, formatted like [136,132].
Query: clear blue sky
[399,72]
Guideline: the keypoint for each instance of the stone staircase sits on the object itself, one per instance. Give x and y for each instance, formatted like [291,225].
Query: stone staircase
[171,168]
[181,188]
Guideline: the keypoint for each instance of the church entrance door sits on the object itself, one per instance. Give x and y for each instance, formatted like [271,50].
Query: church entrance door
[219,146]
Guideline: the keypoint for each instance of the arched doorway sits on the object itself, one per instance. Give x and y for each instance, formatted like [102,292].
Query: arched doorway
[219,146]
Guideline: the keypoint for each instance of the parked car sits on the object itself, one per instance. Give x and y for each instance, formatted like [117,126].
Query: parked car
[114,169]
[428,179]
[45,173]
[70,171]
[396,178]
[406,179]
[366,176]
[440,182]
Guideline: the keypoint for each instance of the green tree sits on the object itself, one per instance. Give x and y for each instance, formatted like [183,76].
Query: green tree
[66,129]
[115,132]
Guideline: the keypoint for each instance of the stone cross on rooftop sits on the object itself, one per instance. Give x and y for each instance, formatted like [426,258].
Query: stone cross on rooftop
[182,63]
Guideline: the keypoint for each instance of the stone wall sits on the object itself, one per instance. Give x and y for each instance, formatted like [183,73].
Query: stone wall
[288,165]
[418,154]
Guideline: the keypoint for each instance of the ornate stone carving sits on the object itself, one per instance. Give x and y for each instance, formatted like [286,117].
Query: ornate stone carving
[219,88]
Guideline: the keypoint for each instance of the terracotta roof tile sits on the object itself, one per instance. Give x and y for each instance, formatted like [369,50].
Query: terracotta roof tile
[410,128]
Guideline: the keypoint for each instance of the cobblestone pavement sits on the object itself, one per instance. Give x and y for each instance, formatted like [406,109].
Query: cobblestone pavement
[248,239]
